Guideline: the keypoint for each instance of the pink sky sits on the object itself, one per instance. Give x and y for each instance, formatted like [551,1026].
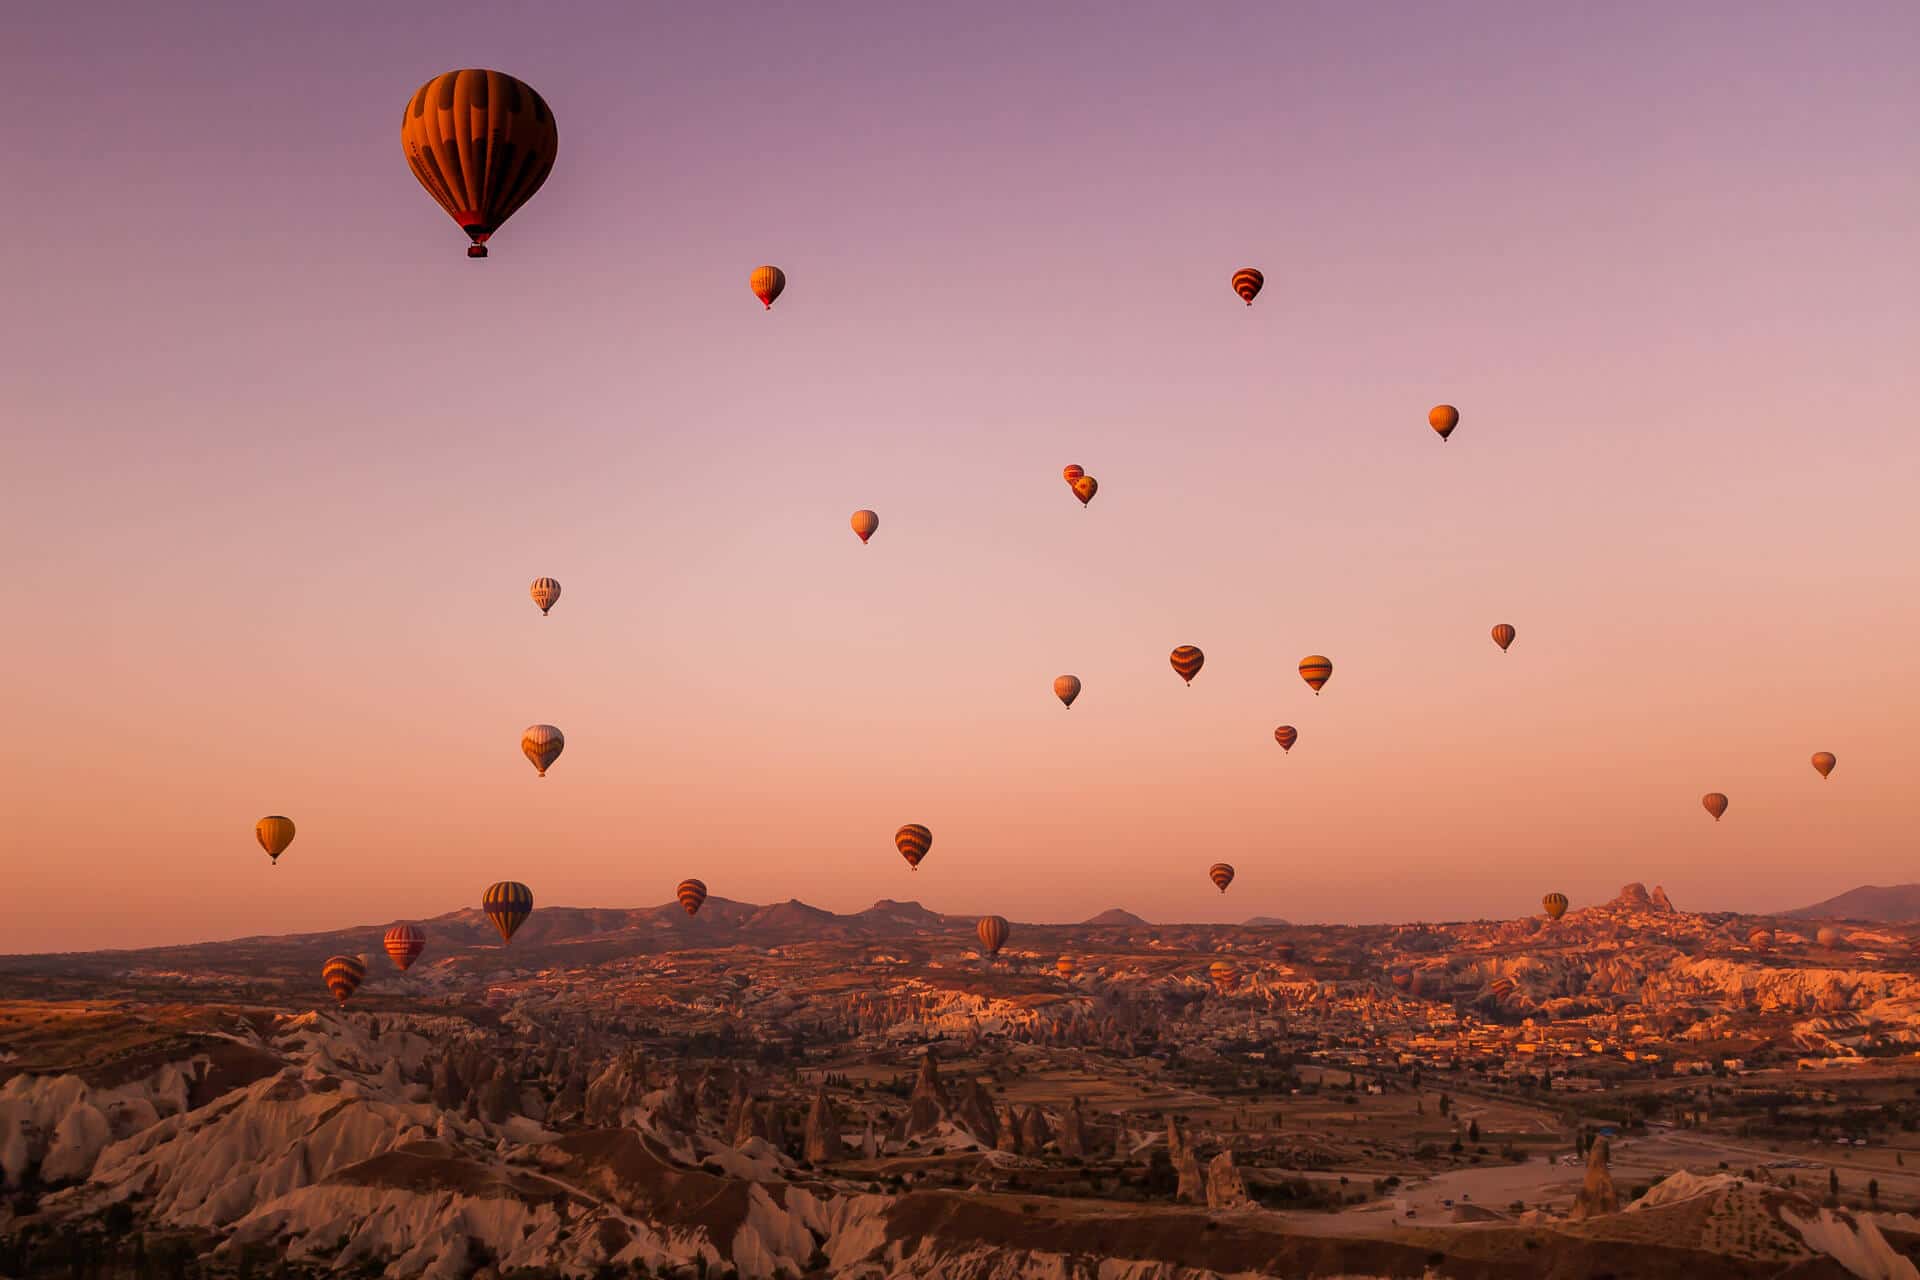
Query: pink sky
[281,462]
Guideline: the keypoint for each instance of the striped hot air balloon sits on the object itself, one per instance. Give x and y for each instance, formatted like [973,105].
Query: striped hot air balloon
[1316,670]
[1286,735]
[1072,472]
[274,833]
[865,524]
[767,284]
[691,894]
[1443,418]
[1066,688]
[404,944]
[545,593]
[508,904]
[913,841]
[1065,967]
[1084,488]
[1823,762]
[993,931]
[542,744]
[1503,634]
[1187,661]
[1225,974]
[1556,905]
[1247,282]
[343,975]
[1221,874]
[481,143]
[1714,803]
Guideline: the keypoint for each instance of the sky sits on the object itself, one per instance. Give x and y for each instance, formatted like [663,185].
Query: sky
[279,462]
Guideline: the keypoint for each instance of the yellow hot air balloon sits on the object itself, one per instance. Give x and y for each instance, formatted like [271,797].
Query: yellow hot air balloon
[1286,735]
[1187,661]
[1556,905]
[913,841]
[1829,937]
[1084,488]
[1221,874]
[1225,974]
[1072,472]
[404,943]
[1443,418]
[542,744]
[1503,634]
[1066,688]
[767,284]
[1760,939]
[545,593]
[274,833]
[481,143]
[865,524]
[691,894]
[1823,761]
[507,904]
[343,975]
[1714,803]
[992,931]
[1065,967]
[1247,282]
[1316,671]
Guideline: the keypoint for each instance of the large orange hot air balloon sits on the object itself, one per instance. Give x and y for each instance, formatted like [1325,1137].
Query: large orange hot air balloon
[865,524]
[1316,671]
[1503,634]
[508,904]
[1187,661]
[767,284]
[1225,974]
[343,975]
[1714,803]
[1760,939]
[481,143]
[1443,418]
[1247,282]
[1084,488]
[542,744]
[1221,874]
[691,894]
[1823,761]
[274,833]
[1286,735]
[545,593]
[1556,905]
[1066,688]
[1072,472]
[913,841]
[993,931]
[1065,967]
[404,944]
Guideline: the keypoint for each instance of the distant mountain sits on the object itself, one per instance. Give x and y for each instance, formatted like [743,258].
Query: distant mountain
[1882,904]
[1114,915]
[1267,922]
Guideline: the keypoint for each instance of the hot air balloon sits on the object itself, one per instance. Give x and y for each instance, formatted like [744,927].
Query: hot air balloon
[1402,979]
[1066,688]
[691,894]
[767,284]
[274,833]
[1316,671]
[913,841]
[1760,939]
[404,943]
[508,904]
[1084,488]
[1225,974]
[865,524]
[1503,634]
[481,143]
[1823,761]
[993,933]
[1065,967]
[1829,937]
[1221,874]
[1247,282]
[545,593]
[343,975]
[1443,418]
[542,744]
[1556,905]
[1187,662]
[1072,472]
[1286,735]
[1714,803]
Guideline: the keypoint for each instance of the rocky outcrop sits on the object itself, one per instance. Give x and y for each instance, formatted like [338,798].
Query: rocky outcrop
[928,1105]
[1035,1132]
[1226,1189]
[1072,1138]
[1660,900]
[616,1091]
[822,1143]
[1596,1195]
[1192,1188]
[975,1114]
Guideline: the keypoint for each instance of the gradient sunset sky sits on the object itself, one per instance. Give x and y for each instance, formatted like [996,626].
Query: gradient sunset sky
[280,461]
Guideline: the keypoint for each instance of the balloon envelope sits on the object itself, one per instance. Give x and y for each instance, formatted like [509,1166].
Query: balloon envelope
[1084,488]
[1316,671]
[1221,874]
[1556,905]
[1714,803]
[404,943]
[343,975]
[1247,282]
[865,524]
[1286,735]
[691,894]
[542,744]
[1443,418]
[1072,472]
[1187,661]
[913,841]
[507,904]
[1503,634]
[545,593]
[481,143]
[767,284]
[1823,761]
[274,833]
[1066,688]
[992,931]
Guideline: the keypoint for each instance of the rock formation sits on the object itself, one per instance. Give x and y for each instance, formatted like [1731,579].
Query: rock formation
[1596,1195]
[976,1115]
[929,1104]
[1661,902]
[1035,1132]
[616,1089]
[823,1131]
[1193,1182]
[1225,1187]
[1072,1138]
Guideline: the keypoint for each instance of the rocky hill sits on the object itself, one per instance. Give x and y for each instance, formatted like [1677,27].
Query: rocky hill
[1887,904]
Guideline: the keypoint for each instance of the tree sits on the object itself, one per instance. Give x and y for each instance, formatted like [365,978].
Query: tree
[1873,1192]
[1833,1182]
[1446,1104]
[1473,1131]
